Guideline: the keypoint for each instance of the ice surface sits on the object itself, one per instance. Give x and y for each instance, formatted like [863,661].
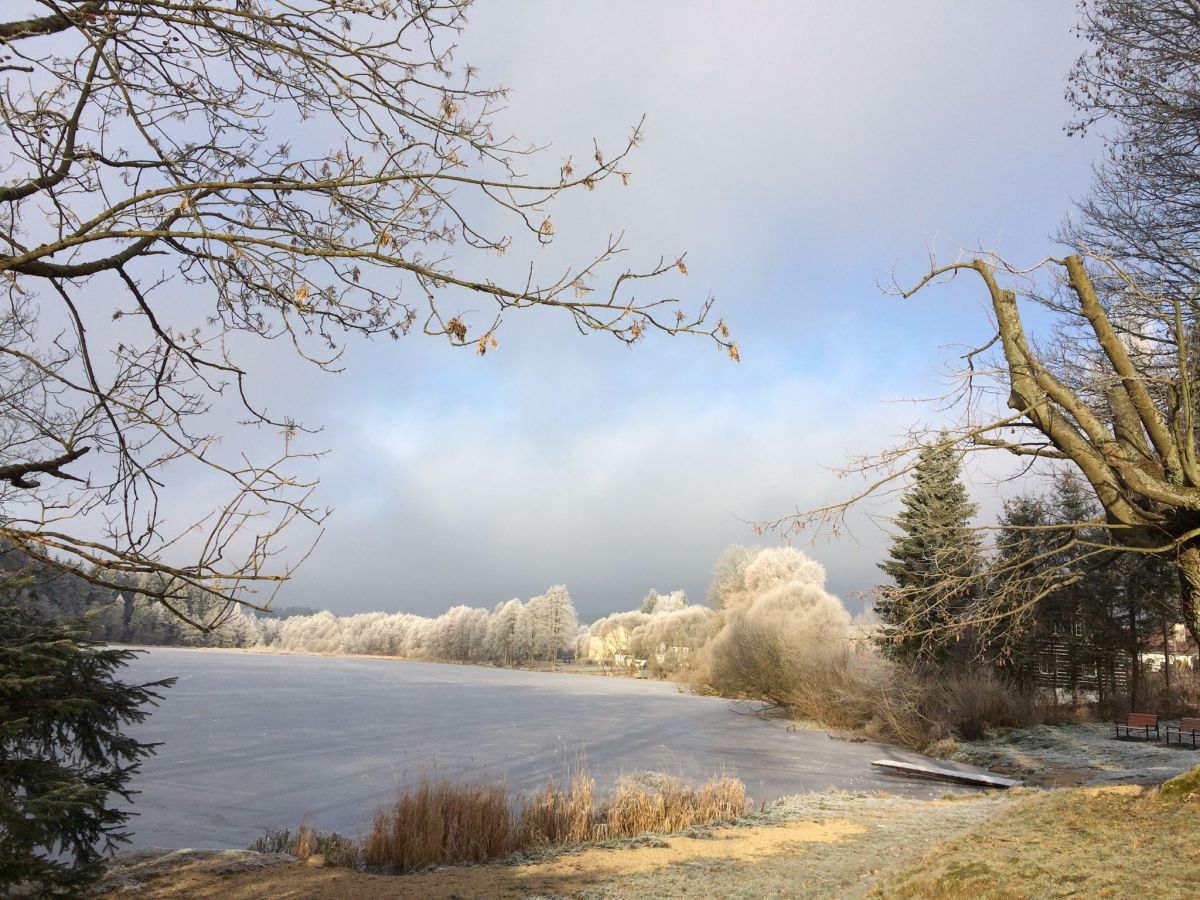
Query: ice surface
[253,741]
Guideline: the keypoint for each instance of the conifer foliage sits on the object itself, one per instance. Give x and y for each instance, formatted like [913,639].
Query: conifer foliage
[1071,608]
[934,561]
[63,753]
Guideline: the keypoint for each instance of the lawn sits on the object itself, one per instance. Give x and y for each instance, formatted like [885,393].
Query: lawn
[1084,842]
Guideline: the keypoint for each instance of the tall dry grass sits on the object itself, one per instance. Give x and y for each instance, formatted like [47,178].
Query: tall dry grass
[662,804]
[439,823]
[443,823]
[555,815]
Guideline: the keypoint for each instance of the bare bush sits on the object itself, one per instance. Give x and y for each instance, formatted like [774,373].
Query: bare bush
[970,703]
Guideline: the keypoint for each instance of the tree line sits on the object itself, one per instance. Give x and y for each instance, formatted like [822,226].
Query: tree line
[957,601]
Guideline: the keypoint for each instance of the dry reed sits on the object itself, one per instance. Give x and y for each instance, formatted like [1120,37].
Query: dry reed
[555,816]
[440,823]
[444,823]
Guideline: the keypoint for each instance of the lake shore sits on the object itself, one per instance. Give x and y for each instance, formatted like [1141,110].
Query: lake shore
[844,836]
[336,737]
[1027,842]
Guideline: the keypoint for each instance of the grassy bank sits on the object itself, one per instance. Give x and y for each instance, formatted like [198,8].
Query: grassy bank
[1085,842]
[1081,842]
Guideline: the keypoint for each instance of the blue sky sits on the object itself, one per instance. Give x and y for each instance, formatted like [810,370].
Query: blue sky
[798,152]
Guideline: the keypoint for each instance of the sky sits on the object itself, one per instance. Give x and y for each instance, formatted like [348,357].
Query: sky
[800,153]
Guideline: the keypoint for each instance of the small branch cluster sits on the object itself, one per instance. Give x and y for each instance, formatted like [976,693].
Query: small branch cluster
[179,176]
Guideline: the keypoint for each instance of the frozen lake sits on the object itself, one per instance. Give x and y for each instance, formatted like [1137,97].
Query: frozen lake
[252,741]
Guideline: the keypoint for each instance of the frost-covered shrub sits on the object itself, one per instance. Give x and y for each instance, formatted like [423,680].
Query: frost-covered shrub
[669,640]
[781,632]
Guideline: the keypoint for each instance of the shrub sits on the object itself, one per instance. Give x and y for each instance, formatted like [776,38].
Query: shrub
[972,702]
[308,842]
[779,654]
[824,680]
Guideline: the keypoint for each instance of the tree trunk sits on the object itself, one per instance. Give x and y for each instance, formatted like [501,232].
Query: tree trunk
[1166,660]
[1188,564]
[1135,675]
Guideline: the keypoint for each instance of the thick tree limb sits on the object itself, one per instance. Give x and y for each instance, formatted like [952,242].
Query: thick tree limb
[17,474]
[42,25]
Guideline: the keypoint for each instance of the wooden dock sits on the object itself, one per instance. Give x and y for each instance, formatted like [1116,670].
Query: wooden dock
[927,771]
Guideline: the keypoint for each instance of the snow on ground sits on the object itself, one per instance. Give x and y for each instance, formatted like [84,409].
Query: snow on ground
[1076,754]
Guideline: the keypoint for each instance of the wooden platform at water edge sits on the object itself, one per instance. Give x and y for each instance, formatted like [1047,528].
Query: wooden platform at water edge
[926,771]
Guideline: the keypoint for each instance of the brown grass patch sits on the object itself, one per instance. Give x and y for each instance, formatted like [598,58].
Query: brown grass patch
[1098,842]
[659,804]
[555,816]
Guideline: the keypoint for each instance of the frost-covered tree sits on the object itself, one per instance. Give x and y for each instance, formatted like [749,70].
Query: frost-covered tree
[778,625]
[670,639]
[150,623]
[553,623]
[502,637]
[649,602]
[729,573]
[660,603]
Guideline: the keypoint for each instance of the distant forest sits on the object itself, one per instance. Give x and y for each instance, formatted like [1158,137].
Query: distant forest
[779,590]
[540,630]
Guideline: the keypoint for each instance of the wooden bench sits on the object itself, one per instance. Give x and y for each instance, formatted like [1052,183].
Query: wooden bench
[1187,728]
[1136,722]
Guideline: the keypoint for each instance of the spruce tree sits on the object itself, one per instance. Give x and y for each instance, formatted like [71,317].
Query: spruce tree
[934,562]
[1017,574]
[63,752]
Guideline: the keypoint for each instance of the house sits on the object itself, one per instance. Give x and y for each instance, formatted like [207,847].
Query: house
[604,649]
[627,661]
[1174,645]
[1070,664]
[676,655]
